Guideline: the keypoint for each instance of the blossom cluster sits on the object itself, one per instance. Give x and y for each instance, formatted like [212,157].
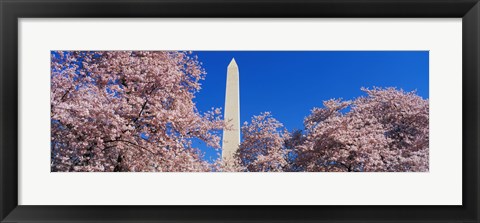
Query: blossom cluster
[128,111]
[385,131]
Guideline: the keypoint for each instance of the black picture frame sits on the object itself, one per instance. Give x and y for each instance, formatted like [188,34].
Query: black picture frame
[11,11]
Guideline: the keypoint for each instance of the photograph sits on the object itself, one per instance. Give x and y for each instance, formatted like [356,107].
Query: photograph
[239,111]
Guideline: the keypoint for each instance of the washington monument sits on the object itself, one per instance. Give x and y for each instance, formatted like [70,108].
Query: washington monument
[231,137]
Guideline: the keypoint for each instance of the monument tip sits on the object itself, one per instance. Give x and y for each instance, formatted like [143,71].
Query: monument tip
[233,63]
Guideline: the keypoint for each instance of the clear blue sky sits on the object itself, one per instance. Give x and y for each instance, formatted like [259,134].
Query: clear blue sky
[290,83]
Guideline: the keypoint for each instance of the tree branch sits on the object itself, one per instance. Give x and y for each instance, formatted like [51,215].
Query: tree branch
[140,113]
[126,141]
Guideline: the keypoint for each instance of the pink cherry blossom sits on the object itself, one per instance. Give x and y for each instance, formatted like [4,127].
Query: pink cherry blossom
[387,130]
[128,111]
[263,146]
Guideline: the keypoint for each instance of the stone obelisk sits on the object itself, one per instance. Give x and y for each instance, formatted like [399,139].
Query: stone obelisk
[231,136]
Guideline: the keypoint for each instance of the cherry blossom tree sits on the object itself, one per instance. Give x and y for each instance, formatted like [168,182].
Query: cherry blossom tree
[128,111]
[387,130]
[263,145]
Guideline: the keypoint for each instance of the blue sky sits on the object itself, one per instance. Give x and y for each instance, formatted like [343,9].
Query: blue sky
[290,83]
